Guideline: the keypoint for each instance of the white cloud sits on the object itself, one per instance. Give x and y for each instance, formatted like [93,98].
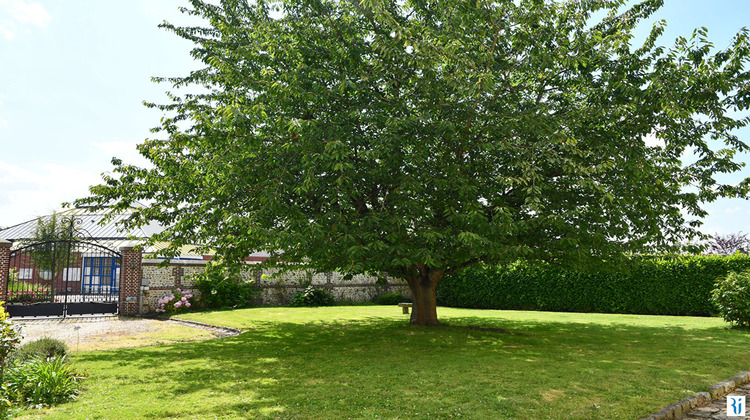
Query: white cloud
[3,122]
[24,12]
[28,192]
[20,12]
[733,210]
[157,10]
[6,31]
[125,150]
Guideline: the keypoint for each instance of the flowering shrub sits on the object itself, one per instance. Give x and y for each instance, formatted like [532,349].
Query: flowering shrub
[178,301]
[29,296]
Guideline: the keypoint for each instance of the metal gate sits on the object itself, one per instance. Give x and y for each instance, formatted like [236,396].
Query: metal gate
[63,277]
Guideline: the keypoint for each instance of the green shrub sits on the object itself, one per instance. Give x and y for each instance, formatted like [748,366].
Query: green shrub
[656,285]
[43,348]
[732,297]
[313,297]
[224,287]
[390,299]
[9,339]
[43,382]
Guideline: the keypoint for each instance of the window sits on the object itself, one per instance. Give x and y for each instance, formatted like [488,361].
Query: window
[25,273]
[100,274]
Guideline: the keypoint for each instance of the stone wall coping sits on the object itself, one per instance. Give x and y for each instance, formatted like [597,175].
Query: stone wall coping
[4,243]
[154,261]
[128,246]
[157,261]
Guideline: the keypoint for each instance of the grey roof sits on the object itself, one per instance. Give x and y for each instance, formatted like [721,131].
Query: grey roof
[90,223]
[108,234]
[93,228]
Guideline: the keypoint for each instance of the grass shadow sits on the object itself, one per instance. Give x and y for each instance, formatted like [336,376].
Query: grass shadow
[382,367]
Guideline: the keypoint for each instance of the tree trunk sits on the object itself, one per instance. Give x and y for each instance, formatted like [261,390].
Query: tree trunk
[423,287]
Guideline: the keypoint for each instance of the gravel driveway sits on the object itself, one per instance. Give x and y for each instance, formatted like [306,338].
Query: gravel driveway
[108,332]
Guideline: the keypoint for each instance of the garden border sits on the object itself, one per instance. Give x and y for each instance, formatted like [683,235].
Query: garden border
[719,390]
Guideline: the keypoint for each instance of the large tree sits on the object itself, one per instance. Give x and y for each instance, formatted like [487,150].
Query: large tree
[419,137]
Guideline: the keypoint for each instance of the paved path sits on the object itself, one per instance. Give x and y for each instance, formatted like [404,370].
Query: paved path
[717,410]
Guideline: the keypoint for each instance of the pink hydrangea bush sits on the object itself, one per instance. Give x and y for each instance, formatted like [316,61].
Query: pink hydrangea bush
[175,302]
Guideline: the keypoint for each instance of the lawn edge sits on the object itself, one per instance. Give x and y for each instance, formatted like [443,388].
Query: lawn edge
[716,391]
[228,331]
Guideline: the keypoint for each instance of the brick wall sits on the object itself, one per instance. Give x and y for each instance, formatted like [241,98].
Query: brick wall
[4,267]
[275,288]
[130,281]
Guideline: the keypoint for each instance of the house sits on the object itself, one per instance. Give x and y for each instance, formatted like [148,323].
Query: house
[105,273]
[92,227]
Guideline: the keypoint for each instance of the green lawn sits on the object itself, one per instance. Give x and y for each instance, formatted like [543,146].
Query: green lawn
[366,362]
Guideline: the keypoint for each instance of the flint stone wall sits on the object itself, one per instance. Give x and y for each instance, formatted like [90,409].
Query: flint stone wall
[275,288]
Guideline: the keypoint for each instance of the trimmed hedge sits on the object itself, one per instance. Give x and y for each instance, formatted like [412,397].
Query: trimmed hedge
[661,285]
[391,299]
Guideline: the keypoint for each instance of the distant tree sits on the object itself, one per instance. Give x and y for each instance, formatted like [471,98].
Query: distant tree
[54,228]
[418,137]
[53,234]
[729,243]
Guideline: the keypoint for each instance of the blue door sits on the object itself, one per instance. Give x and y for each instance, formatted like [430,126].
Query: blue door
[100,275]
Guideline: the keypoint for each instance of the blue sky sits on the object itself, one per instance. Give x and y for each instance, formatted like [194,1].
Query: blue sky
[74,74]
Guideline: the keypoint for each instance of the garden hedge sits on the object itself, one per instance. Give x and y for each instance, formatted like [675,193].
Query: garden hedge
[656,285]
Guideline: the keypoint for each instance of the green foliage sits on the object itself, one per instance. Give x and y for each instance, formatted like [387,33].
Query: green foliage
[54,228]
[43,348]
[732,297]
[43,382]
[20,291]
[51,255]
[417,138]
[312,296]
[679,285]
[9,339]
[223,286]
[390,299]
